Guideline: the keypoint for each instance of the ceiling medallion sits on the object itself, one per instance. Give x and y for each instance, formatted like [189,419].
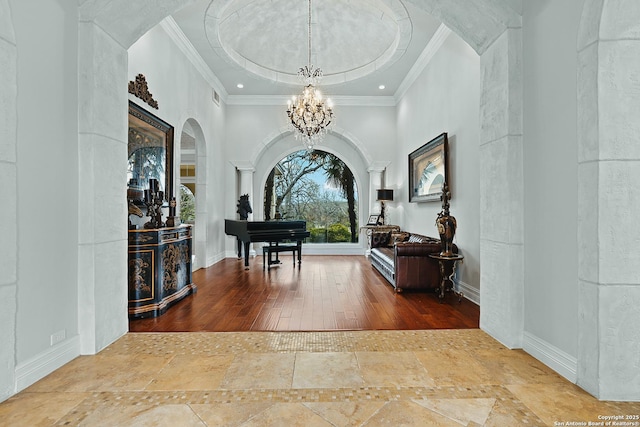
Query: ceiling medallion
[309,114]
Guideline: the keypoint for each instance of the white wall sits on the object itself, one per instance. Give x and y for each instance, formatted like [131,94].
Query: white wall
[550,178]
[182,94]
[47,153]
[445,98]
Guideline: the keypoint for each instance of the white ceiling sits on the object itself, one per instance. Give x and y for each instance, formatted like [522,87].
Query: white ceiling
[359,44]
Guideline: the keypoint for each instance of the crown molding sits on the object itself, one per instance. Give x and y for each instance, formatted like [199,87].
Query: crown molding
[281,100]
[170,26]
[423,60]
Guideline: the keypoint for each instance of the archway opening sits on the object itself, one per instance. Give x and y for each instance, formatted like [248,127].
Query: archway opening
[318,187]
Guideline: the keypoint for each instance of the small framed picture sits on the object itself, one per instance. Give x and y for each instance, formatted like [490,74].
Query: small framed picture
[373,219]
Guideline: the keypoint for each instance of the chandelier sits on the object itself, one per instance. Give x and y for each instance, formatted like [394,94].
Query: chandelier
[309,114]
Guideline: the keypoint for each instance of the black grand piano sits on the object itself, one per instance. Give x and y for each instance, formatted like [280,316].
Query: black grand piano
[265,231]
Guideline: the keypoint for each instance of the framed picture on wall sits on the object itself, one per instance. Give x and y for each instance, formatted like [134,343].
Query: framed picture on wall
[428,170]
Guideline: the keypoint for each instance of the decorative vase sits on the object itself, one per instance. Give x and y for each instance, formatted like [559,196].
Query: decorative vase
[446,224]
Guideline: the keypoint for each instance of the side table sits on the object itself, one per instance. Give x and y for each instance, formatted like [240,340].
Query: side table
[447,264]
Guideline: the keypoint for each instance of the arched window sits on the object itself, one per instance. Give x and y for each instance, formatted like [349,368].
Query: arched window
[316,187]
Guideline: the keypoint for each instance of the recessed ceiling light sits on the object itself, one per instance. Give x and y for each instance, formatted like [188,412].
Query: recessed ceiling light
[239,85]
[381,87]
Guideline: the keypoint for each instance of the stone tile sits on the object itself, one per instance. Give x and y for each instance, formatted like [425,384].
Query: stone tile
[103,373]
[567,402]
[515,367]
[230,414]
[192,373]
[393,369]
[454,367]
[288,414]
[464,411]
[346,413]
[326,370]
[338,378]
[503,414]
[272,371]
[408,414]
[143,416]
[37,409]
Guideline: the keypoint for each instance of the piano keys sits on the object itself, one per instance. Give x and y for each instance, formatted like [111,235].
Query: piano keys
[247,232]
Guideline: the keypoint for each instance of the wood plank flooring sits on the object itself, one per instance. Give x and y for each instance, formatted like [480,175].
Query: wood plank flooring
[325,293]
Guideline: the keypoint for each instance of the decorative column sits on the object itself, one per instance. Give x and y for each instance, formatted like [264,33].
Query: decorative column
[102,156]
[502,190]
[609,200]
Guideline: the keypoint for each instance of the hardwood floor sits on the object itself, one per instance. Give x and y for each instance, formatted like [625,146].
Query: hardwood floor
[325,293]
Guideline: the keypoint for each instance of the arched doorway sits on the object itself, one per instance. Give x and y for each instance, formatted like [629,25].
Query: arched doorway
[492,31]
[193,175]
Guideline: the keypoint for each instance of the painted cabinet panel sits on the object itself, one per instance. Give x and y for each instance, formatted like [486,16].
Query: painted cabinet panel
[159,269]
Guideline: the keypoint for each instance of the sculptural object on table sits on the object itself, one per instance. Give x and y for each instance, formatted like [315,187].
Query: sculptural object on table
[244,207]
[154,199]
[134,210]
[446,224]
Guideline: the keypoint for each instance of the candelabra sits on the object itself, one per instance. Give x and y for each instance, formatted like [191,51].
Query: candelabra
[154,198]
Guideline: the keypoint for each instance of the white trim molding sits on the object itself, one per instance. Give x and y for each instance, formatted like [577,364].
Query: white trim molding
[561,362]
[41,365]
[469,292]
[173,30]
[423,60]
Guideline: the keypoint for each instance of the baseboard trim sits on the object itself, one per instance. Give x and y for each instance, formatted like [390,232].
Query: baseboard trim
[469,292]
[561,362]
[215,259]
[43,364]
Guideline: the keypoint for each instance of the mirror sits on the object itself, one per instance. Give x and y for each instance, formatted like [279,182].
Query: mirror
[150,154]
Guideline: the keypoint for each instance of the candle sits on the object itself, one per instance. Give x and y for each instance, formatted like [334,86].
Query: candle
[147,195]
[153,184]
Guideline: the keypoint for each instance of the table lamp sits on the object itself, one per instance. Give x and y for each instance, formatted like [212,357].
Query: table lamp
[384,195]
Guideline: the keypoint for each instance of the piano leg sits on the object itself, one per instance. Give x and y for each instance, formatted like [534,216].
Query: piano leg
[239,247]
[246,255]
[299,244]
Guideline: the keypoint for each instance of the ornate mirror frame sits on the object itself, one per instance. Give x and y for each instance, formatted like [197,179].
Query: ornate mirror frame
[151,138]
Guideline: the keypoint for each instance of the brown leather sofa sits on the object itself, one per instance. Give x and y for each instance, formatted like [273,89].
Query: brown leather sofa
[403,259]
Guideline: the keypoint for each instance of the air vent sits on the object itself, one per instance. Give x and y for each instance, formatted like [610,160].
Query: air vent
[216,97]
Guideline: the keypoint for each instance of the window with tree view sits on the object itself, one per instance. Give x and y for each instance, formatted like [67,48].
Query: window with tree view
[316,187]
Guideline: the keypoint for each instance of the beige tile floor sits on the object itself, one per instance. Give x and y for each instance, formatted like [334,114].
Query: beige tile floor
[374,378]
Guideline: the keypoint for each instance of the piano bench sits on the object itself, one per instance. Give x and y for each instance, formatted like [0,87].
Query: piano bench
[276,249]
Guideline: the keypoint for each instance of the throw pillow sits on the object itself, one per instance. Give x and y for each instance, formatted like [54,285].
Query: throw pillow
[379,239]
[399,237]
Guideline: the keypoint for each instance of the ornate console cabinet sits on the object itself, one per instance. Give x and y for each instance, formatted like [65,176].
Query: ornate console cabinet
[159,269]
